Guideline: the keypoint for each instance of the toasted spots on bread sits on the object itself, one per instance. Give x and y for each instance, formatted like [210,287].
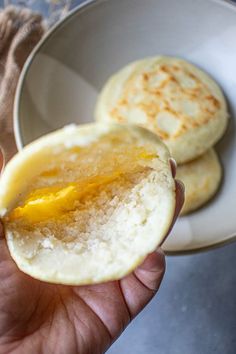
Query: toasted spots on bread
[172,98]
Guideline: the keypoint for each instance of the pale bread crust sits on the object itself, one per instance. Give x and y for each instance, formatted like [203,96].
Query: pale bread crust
[201,178]
[141,222]
[171,97]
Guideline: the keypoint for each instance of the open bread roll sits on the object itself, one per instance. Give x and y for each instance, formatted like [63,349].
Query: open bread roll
[176,100]
[87,204]
[201,178]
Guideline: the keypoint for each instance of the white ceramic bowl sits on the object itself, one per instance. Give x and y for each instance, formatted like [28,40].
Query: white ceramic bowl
[64,74]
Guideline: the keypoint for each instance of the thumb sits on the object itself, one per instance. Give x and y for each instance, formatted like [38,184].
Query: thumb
[139,287]
[151,271]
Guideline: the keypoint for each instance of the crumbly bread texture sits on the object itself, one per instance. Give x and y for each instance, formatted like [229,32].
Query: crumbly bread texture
[171,97]
[87,204]
[201,178]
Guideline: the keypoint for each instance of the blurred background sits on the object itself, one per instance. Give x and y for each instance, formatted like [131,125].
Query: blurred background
[53,10]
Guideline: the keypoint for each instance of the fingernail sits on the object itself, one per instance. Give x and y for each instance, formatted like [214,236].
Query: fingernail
[161,256]
[1,231]
[172,160]
[154,261]
[160,251]
[181,184]
[173,166]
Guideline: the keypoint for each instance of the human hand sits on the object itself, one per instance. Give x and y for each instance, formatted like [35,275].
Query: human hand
[37,317]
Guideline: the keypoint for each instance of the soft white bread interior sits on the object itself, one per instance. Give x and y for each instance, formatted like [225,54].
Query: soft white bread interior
[87,204]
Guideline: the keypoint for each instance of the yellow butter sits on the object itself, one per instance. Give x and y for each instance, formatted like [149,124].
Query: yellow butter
[55,201]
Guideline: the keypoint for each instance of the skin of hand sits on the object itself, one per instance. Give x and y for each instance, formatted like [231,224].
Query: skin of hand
[37,317]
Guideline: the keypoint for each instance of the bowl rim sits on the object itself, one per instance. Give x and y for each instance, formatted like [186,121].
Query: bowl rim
[79,9]
[18,94]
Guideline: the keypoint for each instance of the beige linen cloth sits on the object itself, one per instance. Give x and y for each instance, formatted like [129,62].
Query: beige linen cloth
[20,30]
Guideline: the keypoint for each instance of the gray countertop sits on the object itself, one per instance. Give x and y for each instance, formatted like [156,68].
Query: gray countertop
[194,311]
